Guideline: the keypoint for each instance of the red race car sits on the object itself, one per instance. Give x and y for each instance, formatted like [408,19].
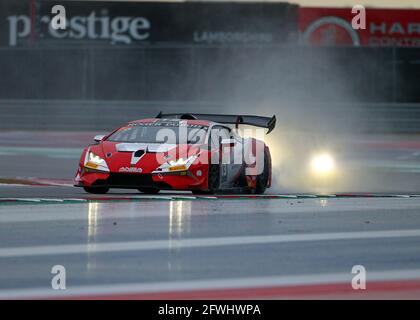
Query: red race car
[196,152]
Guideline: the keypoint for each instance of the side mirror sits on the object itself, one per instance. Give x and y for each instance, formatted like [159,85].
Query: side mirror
[99,137]
[228,143]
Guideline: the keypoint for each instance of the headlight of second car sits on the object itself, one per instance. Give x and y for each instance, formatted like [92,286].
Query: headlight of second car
[323,164]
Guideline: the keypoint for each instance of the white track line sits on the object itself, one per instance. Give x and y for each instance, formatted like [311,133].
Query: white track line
[209,284]
[148,197]
[198,243]
[79,209]
[183,198]
[29,199]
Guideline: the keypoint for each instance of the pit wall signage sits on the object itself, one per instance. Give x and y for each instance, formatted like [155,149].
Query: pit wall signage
[114,30]
[142,23]
[384,27]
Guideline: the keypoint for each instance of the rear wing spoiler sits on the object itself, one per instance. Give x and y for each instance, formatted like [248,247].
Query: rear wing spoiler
[257,121]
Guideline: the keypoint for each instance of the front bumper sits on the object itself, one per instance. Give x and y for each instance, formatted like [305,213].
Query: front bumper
[181,180]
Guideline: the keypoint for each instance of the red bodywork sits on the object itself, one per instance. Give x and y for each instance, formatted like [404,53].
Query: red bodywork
[195,178]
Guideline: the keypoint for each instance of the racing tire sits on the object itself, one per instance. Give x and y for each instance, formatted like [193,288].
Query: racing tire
[96,190]
[262,179]
[149,190]
[213,181]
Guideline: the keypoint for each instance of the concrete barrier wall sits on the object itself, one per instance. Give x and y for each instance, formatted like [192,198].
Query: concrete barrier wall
[95,88]
[107,115]
[210,74]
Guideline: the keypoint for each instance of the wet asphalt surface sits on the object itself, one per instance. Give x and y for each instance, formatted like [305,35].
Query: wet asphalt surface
[172,242]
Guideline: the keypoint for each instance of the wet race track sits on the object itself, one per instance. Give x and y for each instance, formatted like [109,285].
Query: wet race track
[174,245]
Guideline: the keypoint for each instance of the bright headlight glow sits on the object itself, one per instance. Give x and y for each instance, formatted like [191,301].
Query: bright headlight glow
[181,164]
[93,158]
[95,162]
[323,163]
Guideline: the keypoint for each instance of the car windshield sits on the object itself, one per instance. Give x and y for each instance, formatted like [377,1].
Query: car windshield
[146,133]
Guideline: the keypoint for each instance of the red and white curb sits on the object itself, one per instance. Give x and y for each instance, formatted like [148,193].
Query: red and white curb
[35,182]
[404,283]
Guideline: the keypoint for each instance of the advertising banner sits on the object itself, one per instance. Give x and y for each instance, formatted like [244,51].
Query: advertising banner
[384,27]
[148,23]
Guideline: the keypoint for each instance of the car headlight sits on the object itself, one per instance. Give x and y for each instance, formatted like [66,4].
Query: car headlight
[323,164]
[93,158]
[180,164]
[95,162]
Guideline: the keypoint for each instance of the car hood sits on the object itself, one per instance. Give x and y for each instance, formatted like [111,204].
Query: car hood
[147,147]
[145,157]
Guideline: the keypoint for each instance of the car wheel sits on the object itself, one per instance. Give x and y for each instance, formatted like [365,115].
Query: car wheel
[149,190]
[214,179]
[96,190]
[262,179]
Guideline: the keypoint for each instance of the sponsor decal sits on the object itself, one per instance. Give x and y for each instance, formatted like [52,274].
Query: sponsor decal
[130,170]
[384,27]
[168,123]
[178,168]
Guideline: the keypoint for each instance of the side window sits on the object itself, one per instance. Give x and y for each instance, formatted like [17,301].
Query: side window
[217,134]
[237,137]
[214,137]
[224,133]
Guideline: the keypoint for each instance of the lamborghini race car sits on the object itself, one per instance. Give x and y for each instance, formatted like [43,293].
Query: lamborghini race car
[201,153]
